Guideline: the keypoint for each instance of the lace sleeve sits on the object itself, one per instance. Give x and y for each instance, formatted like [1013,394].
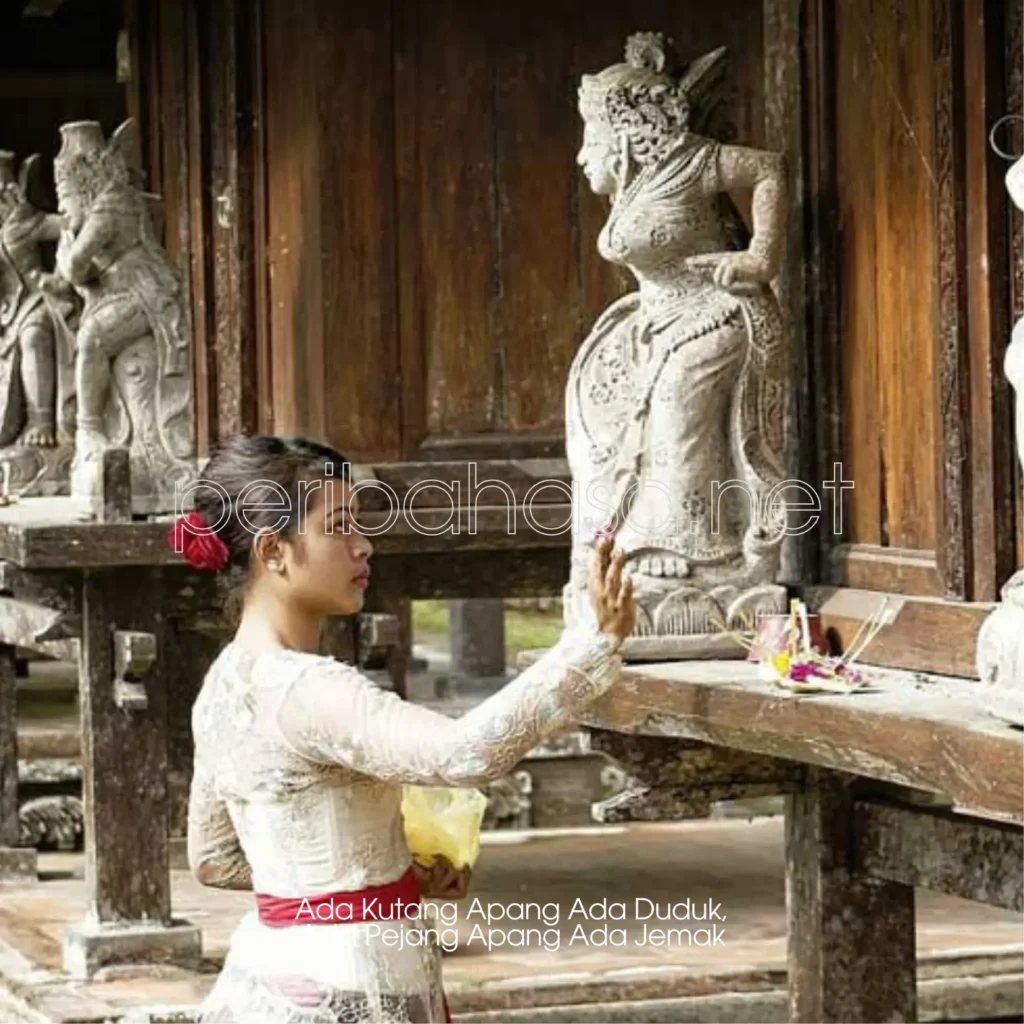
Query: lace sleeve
[333,714]
[215,856]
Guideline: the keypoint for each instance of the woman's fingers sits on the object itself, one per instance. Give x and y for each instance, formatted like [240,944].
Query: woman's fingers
[613,579]
[598,563]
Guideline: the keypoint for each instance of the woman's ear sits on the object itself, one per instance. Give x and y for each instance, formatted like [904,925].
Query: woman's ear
[268,549]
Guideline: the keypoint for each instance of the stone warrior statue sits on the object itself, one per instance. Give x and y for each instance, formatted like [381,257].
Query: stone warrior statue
[676,401]
[133,376]
[1001,637]
[28,386]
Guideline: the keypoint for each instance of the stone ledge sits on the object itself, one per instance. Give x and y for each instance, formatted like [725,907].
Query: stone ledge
[988,989]
[90,947]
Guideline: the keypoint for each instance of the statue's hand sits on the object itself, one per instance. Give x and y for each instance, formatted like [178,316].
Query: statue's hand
[739,272]
[53,284]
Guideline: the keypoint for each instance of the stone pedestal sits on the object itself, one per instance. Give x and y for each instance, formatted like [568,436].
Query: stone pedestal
[90,946]
[38,472]
[477,638]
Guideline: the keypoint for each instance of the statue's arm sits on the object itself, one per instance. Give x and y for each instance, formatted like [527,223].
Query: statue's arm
[764,174]
[50,228]
[75,259]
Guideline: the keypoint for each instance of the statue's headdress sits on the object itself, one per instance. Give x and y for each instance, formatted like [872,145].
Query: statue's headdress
[87,162]
[650,97]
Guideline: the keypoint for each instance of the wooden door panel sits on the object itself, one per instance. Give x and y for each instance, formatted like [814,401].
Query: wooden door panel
[887,192]
[499,275]
[444,123]
[331,236]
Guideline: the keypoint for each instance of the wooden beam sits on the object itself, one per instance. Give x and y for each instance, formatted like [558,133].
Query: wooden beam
[850,938]
[513,572]
[925,635]
[675,779]
[988,293]
[924,733]
[784,95]
[230,30]
[896,570]
[955,551]
[36,627]
[824,355]
[935,849]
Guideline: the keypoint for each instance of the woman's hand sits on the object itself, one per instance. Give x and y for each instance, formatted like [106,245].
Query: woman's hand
[739,272]
[442,880]
[610,595]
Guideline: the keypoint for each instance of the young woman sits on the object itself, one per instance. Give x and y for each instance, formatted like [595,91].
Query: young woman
[300,760]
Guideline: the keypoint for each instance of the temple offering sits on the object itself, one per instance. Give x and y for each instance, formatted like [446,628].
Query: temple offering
[792,653]
[442,821]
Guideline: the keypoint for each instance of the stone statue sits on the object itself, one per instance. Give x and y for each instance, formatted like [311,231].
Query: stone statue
[133,374]
[34,375]
[676,401]
[1001,638]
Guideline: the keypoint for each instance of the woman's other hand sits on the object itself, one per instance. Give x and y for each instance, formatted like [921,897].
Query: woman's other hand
[610,595]
[442,880]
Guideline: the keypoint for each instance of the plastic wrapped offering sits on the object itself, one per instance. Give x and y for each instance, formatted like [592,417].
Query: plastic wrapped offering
[442,821]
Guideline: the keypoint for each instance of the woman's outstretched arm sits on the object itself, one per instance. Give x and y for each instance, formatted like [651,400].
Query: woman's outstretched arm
[333,714]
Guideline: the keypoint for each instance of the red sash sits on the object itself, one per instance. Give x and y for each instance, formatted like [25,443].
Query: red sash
[388,902]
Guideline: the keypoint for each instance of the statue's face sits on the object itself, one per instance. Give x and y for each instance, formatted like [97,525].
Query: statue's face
[69,203]
[597,157]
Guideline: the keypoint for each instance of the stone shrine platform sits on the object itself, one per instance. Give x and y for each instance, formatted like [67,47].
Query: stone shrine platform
[970,956]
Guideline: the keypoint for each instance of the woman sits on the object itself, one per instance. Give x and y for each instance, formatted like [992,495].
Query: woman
[300,759]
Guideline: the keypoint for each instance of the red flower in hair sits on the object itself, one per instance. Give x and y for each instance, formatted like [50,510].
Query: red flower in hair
[200,546]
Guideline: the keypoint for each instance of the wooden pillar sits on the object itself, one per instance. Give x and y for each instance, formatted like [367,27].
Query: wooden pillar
[477,637]
[399,654]
[851,938]
[123,676]
[14,862]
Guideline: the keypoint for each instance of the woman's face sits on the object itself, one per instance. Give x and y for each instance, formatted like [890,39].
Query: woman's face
[597,157]
[327,560]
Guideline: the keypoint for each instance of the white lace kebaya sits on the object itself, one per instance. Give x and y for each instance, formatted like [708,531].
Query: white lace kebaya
[296,793]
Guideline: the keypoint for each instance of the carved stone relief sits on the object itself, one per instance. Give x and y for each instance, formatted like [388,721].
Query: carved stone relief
[96,352]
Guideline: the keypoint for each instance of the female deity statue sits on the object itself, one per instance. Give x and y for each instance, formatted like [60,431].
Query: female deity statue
[133,379]
[676,401]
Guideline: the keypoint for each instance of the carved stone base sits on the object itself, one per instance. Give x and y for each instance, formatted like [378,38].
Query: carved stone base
[1001,655]
[676,621]
[88,947]
[38,472]
[155,484]
[17,863]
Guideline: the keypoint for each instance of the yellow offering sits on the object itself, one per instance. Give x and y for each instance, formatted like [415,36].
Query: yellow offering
[443,821]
